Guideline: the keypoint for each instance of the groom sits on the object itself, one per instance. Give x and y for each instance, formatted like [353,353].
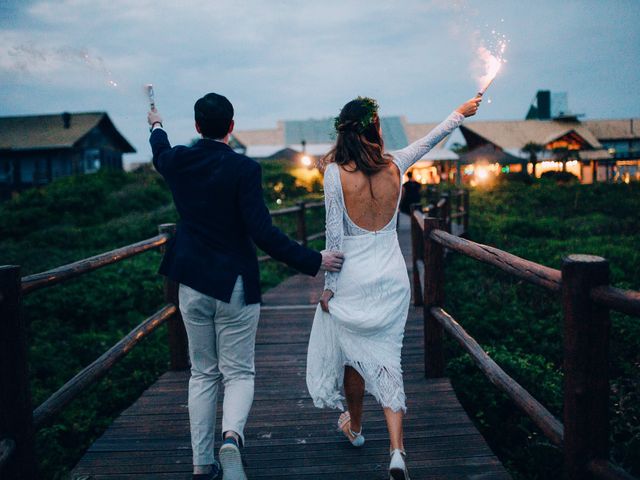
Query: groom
[218,195]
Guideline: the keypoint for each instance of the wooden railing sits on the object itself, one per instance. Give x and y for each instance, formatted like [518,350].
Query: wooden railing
[586,296]
[452,207]
[18,420]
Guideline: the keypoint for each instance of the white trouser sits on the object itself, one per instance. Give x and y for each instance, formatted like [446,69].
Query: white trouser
[222,340]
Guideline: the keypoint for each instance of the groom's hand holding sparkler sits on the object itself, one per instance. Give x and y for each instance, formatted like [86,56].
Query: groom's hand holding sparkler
[154,118]
[470,107]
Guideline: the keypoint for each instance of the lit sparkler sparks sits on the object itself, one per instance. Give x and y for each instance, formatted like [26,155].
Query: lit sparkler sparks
[491,61]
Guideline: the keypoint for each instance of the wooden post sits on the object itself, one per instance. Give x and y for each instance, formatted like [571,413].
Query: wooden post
[586,360]
[178,343]
[465,206]
[416,253]
[446,212]
[16,411]
[302,224]
[433,297]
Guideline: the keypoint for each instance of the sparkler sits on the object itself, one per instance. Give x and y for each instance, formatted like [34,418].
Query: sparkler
[491,63]
[152,98]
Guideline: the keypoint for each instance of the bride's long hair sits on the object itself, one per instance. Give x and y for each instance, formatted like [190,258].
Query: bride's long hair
[358,138]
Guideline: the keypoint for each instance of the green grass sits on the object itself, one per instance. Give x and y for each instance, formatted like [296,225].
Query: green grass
[520,325]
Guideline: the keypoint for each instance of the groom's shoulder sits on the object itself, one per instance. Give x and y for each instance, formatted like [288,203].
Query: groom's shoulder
[246,163]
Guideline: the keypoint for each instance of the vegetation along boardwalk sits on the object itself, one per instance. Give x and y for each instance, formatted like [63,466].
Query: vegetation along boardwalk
[287,437]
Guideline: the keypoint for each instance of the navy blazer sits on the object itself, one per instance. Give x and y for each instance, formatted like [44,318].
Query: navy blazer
[218,195]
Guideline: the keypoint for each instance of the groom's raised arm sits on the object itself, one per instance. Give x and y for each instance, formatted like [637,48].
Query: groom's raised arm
[161,148]
[163,154]
[268,237]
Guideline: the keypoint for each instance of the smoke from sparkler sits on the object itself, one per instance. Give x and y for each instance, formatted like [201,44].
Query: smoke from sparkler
[28,58]
[487,42]
[490,60]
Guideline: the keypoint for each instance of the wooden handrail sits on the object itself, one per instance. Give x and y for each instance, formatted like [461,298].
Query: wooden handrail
[60,274]
[284,211]
[625,301]
[419,216]
[544,419]
[586,299]
[527,270]
[99,367]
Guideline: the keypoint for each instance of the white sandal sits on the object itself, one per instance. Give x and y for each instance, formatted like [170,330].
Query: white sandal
[397,467]
[356,438]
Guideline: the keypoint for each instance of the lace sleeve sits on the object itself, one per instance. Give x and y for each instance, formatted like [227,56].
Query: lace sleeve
[411,154]
[334,226]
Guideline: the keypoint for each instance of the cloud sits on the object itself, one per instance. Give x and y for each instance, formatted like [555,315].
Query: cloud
[284,59]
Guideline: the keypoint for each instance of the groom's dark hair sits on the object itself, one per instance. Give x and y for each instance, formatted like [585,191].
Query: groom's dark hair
[213,114]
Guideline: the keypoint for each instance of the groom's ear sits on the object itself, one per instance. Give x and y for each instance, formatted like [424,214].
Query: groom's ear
[231,125]
[198,128]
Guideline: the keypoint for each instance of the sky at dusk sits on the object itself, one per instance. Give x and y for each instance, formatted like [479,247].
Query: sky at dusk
[295,60]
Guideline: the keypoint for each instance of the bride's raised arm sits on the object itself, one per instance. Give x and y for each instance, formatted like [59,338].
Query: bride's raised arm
[409,155]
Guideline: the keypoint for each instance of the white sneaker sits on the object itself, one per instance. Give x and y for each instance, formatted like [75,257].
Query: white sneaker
[231,462]
[397,467]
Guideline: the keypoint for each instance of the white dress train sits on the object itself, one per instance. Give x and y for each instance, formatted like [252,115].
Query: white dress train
[368,312]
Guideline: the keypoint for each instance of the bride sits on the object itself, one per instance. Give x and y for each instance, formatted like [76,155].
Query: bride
[358,327]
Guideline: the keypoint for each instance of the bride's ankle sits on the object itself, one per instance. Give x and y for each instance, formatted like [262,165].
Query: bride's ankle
[355,428]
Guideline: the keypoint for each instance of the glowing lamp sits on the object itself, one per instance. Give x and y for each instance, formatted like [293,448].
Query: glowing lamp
[306,160]
[482,174]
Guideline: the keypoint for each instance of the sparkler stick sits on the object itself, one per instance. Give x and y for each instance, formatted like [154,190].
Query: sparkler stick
[152,99]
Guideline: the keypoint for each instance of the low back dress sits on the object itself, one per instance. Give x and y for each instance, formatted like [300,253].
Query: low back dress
[368,311]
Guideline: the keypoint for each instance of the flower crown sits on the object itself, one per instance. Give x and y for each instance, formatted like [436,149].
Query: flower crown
[371,107]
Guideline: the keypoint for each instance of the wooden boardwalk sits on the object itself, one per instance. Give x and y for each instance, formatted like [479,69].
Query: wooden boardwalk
[287,438]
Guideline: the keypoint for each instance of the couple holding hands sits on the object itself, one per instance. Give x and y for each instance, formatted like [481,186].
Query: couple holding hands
[358,328]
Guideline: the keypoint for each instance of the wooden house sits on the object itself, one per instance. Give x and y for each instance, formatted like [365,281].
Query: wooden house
[304,142]
[37,149]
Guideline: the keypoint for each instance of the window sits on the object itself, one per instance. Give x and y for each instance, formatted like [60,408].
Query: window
[92,160]
[6,171]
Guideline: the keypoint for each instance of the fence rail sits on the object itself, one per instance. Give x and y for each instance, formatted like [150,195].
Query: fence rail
[18,420]
[586,298]
[60,274]
[99,367]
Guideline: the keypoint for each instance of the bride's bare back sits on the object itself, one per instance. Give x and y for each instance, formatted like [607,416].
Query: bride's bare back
[366,211]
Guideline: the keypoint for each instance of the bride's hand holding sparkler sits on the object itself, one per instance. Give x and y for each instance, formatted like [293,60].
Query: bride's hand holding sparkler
[470,107]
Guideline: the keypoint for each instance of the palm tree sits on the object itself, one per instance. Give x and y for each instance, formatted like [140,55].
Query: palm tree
[532,149]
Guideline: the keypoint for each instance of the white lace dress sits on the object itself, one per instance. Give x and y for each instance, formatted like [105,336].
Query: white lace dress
[368,312]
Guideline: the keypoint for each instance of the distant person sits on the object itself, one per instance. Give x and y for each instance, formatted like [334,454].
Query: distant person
[218,195]
[410,194]
[358,328]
